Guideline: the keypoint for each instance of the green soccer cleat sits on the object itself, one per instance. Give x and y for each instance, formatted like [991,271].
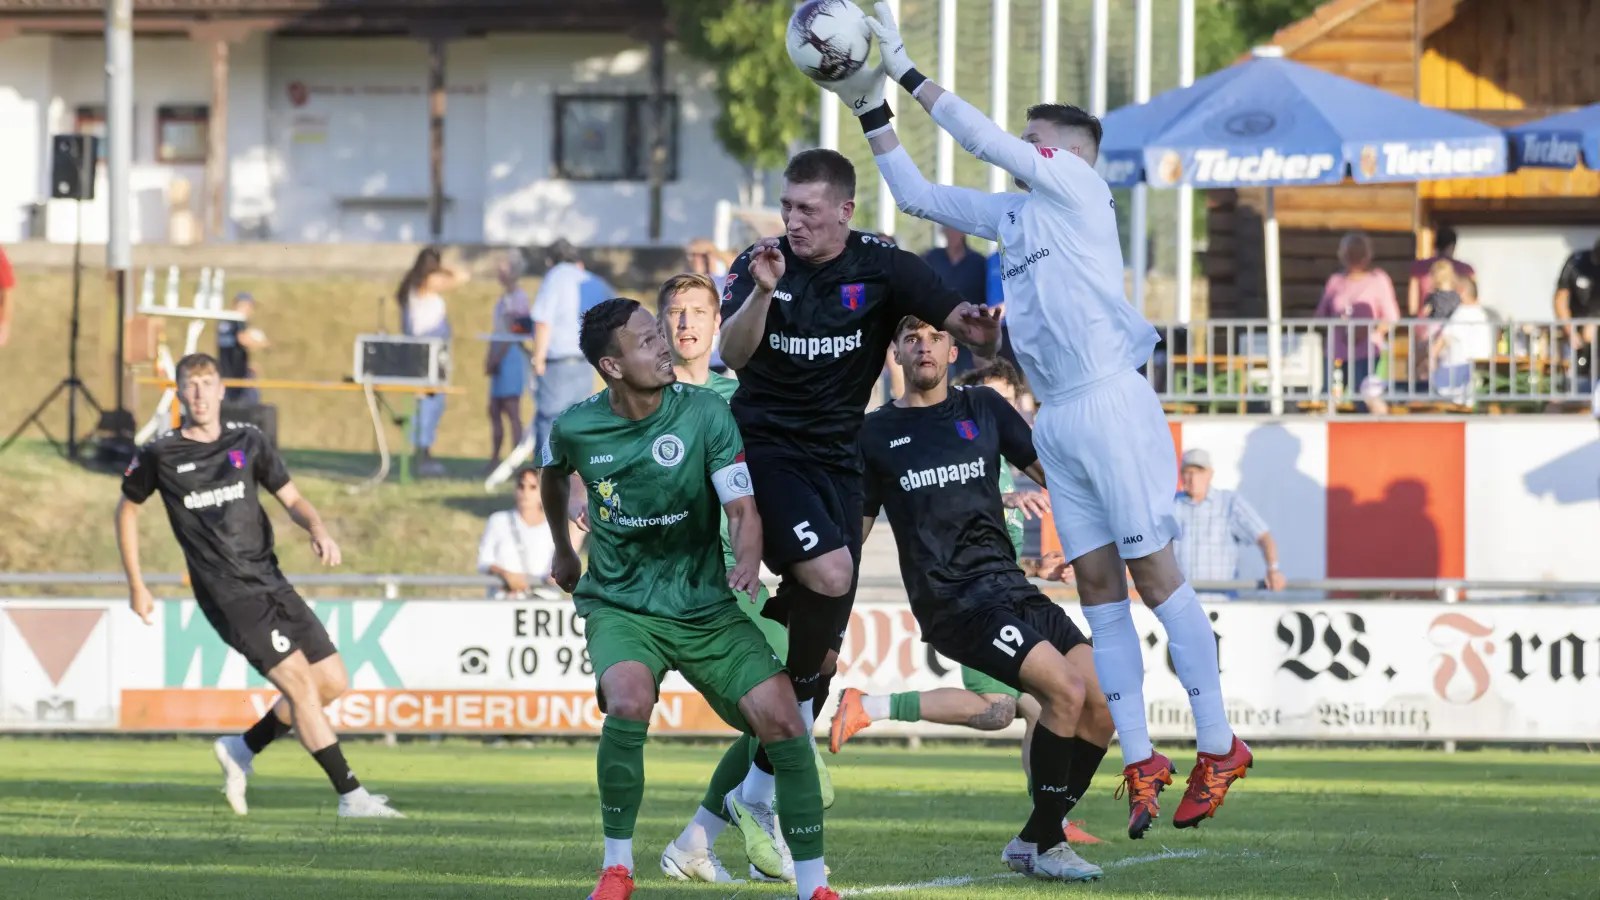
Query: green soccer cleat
[757,824]
[824,780]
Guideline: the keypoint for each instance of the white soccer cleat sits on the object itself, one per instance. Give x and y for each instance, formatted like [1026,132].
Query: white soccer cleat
[1020,856]
[234,757]
[1062,863]
[359,804]
[694,865]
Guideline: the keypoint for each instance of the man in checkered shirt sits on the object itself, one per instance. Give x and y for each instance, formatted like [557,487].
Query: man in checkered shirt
[1216,523]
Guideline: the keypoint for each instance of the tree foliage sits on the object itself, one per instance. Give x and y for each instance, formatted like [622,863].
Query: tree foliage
[1226,28]
[766,103]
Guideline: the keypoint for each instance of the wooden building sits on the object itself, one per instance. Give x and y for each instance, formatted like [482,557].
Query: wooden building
[1501,61]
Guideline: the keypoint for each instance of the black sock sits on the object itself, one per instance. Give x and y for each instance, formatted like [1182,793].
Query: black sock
[264,732]
[820,698]
[1086,759]
[812,632]
[761,760]
[331,759]
[1052,763]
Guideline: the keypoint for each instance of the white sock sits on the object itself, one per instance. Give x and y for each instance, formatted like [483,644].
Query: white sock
[619,852]
[759,787]
[1194,655]
[702,831]
[809,874]
[876,705]
[239,750]
[1119,663]
[356,795]
[809,715]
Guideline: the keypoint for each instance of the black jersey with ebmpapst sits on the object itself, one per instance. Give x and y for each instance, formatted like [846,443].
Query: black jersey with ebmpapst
[936,470]
[823,346]
[209,490]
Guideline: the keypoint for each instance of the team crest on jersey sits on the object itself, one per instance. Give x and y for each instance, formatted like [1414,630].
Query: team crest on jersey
[610,500]
[852,295]
[967,429]
[667,450]
[236,458]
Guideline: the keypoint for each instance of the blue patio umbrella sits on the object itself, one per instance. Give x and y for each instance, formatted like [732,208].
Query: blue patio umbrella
[1558,142]
[1269,123]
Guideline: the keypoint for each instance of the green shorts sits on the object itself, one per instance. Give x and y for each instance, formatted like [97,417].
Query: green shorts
[979,683]
[777,636]
[722,653]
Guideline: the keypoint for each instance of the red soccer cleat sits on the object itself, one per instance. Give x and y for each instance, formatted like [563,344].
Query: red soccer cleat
[615,884]
[1142,782]
[1076,835]
[1209,782]
[848,719]
[824,893]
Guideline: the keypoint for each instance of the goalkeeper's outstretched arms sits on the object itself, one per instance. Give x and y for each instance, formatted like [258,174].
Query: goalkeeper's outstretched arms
[1050,168]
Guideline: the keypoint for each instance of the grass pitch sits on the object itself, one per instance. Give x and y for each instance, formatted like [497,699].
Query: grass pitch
[140,820]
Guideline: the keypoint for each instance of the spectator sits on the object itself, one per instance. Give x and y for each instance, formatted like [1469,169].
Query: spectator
[507,362]
[1421,282]
[423,314]
[1575,299]
[8,285]
[1468,335]
[516,546]
[235,340]
[1443,299]
[1360,292]
[966,271]
[1214,524]
[563,375]
[594,291]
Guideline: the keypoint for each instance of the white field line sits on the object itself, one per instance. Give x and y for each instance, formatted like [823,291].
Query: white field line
[963,880]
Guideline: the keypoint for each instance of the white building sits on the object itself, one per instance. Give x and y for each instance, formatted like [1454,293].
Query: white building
[327,134]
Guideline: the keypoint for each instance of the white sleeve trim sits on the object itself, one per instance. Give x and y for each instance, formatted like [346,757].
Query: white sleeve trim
[732,482]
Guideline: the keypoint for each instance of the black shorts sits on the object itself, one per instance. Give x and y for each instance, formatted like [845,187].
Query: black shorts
[995,638]
[267,627]
[806,509]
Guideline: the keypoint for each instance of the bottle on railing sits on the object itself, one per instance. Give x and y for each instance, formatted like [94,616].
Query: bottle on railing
[1338,380]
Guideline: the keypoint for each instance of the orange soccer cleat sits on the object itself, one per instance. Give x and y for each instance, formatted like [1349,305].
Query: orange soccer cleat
[848,719]
[1209,783]
[1142,782]
[1076,835]
[615,884]
[824,893]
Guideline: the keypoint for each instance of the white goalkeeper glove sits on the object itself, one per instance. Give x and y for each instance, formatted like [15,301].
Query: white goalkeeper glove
[863,94]
[891,47]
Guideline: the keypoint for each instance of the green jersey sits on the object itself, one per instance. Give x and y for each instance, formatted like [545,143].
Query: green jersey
[724,387]
[1014,520]
[652,506]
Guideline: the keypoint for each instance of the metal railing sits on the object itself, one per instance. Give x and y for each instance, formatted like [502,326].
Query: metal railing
[1365,365]
[877,589]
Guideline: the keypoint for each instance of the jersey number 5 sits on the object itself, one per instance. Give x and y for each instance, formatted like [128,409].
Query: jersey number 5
[808,538]
[1009,635]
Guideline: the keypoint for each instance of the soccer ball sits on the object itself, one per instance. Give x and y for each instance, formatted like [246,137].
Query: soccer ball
[829,39]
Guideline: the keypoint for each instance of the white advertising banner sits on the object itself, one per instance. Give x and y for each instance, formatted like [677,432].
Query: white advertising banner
[1336,670]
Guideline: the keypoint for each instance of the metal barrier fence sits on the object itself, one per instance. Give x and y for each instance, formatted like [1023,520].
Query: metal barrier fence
[1463,364]
[889,590]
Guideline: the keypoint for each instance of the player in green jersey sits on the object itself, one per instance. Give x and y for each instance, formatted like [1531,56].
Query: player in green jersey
[690,316]
[662,461]
[982,703]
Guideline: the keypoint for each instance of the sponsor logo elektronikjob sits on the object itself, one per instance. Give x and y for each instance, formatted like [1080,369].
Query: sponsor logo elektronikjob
[1025,262]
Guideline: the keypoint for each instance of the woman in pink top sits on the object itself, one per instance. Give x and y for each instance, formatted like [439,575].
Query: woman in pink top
[1359,292]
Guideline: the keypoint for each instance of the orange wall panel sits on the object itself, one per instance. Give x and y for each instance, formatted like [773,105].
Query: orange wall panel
[1396,500]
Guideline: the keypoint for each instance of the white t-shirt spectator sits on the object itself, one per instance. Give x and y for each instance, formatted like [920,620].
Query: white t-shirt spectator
[515,546]
[559,305]
[426,316]
[1468,335]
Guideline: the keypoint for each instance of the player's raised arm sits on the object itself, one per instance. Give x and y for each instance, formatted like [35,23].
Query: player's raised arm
[746,297]
[920,293]
[1048,169]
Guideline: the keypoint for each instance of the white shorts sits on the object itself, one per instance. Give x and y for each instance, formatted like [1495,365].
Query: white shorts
[1111,468]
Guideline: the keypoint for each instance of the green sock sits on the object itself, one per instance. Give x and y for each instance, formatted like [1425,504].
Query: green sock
[620,767]
[800,796]
[729,775]
[905,707]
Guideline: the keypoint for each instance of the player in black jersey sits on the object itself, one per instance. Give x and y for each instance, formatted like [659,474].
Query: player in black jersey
[207,474]
[933,461]
[807,320]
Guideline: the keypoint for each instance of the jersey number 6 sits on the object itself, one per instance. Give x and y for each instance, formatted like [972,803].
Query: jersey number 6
[279,642]
[808,538]
[1008,635]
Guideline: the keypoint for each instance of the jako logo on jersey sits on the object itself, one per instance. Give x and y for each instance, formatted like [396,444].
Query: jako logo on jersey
[597,460]
[899,442]
[852,295]
[217,497]
[811,347]
[783,295]
[1135,539]
[958,473]
[185,468]
[967,429]
[1027,261]
[667,450]
[236,458]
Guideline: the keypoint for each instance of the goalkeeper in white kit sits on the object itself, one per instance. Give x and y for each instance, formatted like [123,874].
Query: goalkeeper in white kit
[1100,432]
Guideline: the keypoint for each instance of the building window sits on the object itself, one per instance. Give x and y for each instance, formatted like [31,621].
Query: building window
[607,137]
[181,133]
